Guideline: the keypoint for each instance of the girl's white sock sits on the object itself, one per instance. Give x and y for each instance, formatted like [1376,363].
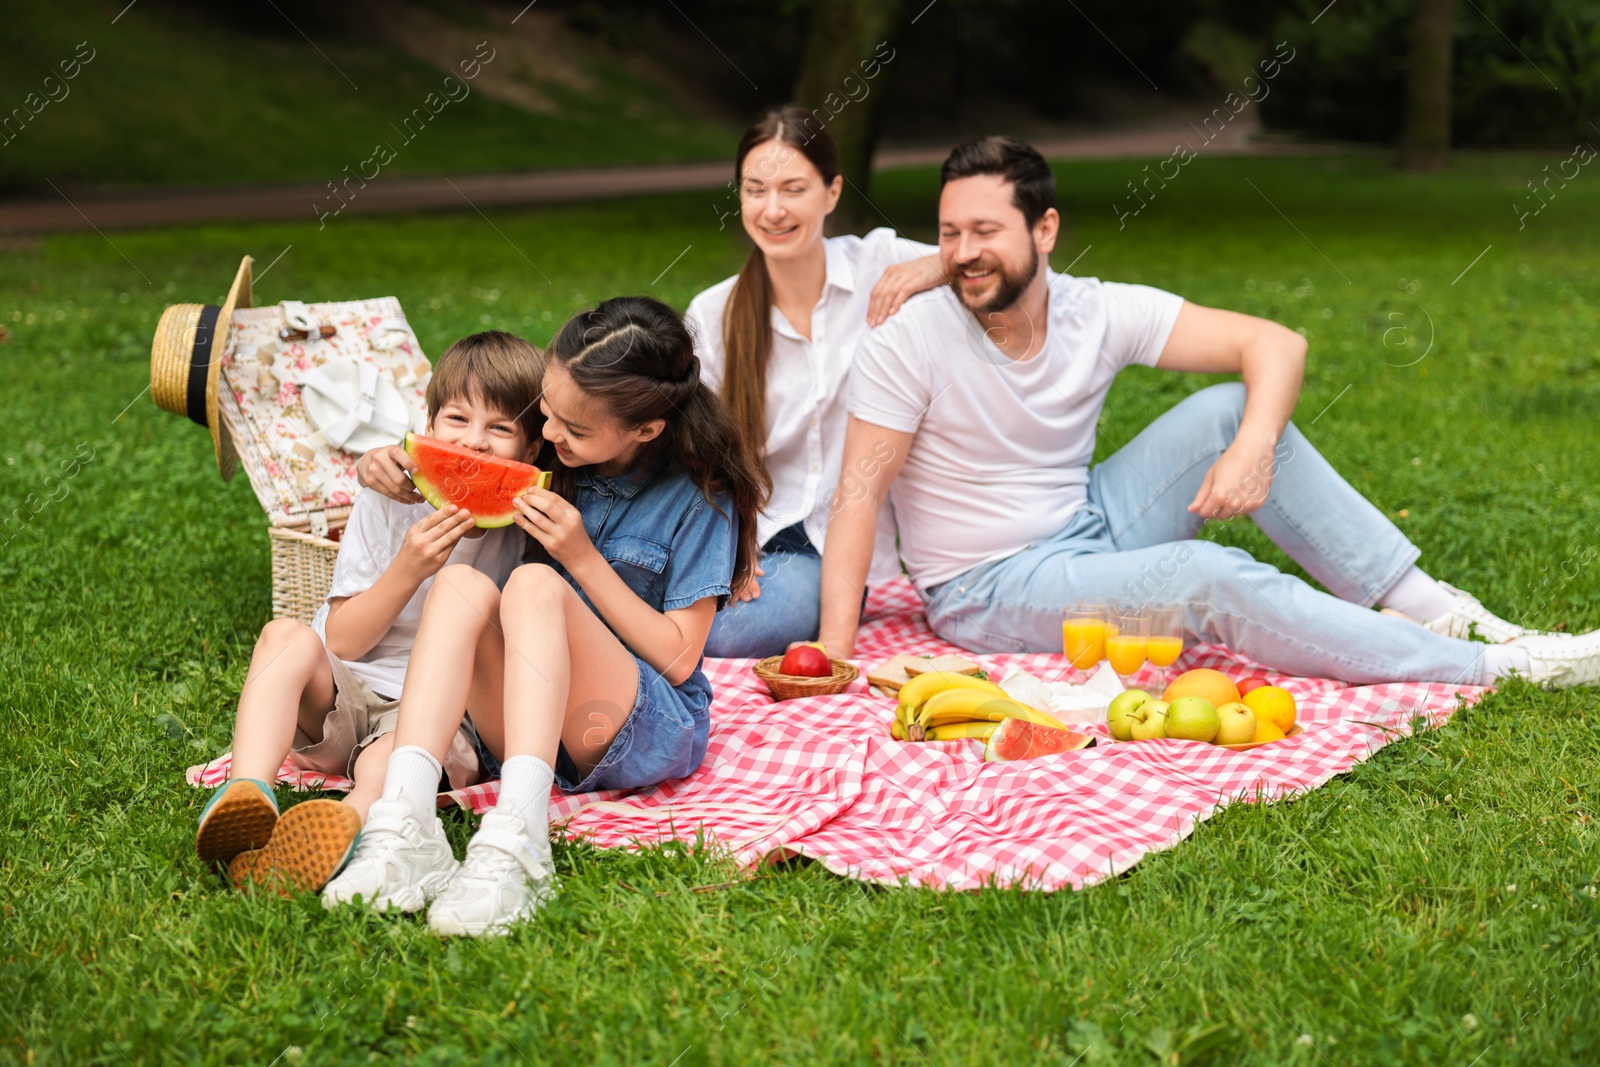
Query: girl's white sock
[1419,596]
[1501,660]
[525,783]
[413,779]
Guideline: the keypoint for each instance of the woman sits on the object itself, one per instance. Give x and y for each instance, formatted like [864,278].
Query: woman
[777,340]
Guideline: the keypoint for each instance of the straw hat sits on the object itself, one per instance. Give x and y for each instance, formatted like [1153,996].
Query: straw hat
[185,359]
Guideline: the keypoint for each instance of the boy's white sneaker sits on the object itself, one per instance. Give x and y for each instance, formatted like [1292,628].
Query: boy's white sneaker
[1562,660]
[400,861]
[1468,614]
[505,878]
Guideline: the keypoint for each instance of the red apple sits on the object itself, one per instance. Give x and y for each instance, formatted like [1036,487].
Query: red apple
[804,661]
[1255,681]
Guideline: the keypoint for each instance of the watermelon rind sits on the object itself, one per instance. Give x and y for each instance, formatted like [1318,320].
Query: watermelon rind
[500,470]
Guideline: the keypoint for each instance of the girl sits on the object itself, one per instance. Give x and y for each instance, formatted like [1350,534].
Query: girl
[586,670]
[777,341]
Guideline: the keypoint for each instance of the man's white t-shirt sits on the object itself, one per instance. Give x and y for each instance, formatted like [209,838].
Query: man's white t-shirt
[372,539]
[1002,449]
[806,413]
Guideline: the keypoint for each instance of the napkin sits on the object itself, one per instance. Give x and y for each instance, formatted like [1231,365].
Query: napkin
[1086,703]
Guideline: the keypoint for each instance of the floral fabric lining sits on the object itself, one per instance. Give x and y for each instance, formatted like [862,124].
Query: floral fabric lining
[299,479]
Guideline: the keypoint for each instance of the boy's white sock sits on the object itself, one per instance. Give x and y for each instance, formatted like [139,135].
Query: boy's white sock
[413,779]
[1501,660]
[1419,596]
[525,783]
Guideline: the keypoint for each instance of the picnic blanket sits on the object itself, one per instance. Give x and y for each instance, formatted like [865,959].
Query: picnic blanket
[821,777]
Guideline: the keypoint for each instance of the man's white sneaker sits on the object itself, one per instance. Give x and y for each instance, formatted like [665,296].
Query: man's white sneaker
[400,861]
[506,878]
[1562,660]
[1468,615]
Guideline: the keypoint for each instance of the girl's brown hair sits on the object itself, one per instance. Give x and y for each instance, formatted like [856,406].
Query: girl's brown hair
[633,354]
[747,321]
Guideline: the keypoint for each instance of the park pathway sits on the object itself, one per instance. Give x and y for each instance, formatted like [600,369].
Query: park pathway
[119,210]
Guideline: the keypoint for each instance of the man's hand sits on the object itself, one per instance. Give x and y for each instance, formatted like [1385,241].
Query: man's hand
[1271,359]
[751,590]
[555,524]
[385,469]
[429,542]
[1237,483]
[899,283]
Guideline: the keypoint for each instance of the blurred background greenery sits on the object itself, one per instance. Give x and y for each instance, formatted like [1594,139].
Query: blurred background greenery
[185,92]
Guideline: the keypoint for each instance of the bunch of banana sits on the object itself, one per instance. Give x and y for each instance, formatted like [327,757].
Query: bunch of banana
[941,706]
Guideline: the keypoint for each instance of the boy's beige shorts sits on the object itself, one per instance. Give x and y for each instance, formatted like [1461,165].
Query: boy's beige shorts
[359,717]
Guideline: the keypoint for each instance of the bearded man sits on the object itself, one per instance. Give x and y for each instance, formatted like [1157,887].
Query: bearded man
[974,410]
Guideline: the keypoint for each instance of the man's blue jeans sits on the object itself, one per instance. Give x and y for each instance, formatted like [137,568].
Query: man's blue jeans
[1133,542]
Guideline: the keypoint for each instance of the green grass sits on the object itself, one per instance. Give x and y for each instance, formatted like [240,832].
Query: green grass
[169,97]
[1435,905]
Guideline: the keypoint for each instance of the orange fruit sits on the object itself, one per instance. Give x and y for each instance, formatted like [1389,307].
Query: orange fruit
[1205,683]
[1266,731]
[1272,704]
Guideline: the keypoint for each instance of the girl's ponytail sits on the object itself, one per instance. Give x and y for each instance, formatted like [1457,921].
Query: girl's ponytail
[634,354]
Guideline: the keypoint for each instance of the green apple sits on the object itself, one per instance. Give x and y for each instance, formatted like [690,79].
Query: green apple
[1236,724]
[1192,718]
[1150,720]
[1121,710]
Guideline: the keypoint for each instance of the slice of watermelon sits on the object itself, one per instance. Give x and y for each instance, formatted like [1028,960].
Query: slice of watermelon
[1020,739]
[480,483]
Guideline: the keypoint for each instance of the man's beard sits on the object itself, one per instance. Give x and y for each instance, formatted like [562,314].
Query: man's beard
[1009,290]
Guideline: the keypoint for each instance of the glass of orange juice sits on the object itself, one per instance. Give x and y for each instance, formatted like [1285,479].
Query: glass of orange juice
[1083,634]
[1125,640]
[1165,643]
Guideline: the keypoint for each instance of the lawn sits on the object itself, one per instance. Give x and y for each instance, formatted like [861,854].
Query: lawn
[1435,905]
[161,95]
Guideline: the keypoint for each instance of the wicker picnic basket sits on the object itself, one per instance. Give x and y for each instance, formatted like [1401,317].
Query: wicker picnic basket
[302,571]
[294,393]
[305,486]
[792,687]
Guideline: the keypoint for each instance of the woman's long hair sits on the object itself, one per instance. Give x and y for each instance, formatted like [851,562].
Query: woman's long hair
[747,321]
[634,355]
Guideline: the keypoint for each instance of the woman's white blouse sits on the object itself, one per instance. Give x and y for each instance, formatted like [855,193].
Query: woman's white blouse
[806,414]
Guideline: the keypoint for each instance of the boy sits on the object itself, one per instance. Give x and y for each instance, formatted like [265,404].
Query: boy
[326,694]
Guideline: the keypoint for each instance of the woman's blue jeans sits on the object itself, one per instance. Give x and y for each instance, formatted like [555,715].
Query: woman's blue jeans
[788,609]
[1134,543]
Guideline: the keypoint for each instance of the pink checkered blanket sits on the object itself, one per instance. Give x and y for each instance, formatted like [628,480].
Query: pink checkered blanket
[821,777]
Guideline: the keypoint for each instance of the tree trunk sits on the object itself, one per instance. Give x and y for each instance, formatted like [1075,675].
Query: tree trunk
[1425,141]
[842,82]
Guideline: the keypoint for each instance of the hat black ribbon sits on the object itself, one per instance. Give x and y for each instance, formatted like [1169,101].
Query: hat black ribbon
[200,362]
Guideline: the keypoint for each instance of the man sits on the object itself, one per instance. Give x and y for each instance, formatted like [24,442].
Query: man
[975,408]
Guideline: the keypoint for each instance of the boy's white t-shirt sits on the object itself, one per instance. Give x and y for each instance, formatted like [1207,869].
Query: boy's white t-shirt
[372,539]
[1002,449]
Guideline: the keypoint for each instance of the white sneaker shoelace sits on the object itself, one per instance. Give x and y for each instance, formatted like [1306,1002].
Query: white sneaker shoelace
[1469,615]
[398,861]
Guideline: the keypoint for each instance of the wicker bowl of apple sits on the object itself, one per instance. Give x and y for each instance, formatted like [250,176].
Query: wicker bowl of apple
[805,671]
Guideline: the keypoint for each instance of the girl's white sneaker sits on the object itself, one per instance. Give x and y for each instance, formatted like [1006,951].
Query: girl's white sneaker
[506,878]
[400,861]
[1562,660]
